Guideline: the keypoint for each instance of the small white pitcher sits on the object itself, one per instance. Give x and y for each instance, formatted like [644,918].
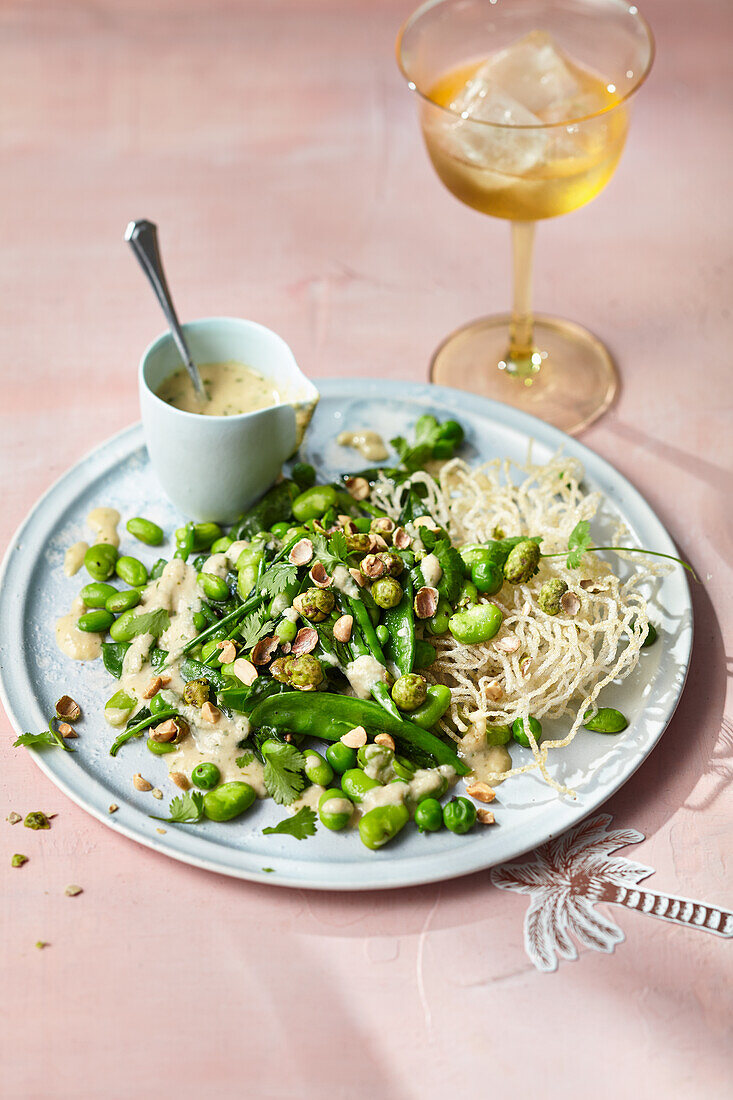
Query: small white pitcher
[214,467]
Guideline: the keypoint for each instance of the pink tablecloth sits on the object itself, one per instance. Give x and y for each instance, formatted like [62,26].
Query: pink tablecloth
[276,145]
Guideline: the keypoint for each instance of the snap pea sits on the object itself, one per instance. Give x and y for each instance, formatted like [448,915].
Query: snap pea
[316,768]
[399,621]
[334,809]
[184,542]
[214,588]
[131,571]
[228,801]
[145,530]
[519,734]
[96,593]
[477,623]
[424,654]
[429,815]
[498,734]
[158,704]
[314,502]
[359,612]
[123,601]
[459,815]
[99,561]
[382,824]
[355,784]
[434,707]
[205,776]
[95,622]
[157,570]
[160,748]
[203,535]
[605,720]
[340,757]
[137,729]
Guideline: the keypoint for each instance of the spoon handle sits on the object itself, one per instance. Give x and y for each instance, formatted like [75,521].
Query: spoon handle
[142,236]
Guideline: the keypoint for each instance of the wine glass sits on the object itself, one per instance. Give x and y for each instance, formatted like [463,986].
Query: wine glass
[524,108]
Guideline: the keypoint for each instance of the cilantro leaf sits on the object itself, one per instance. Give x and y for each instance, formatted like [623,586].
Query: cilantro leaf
[186,808]
[283,776]
[432,440]
[245,759]
[277,578]
[300,826]
[578,543]
[45,737]
[330,552]
[253,627]
[150,622]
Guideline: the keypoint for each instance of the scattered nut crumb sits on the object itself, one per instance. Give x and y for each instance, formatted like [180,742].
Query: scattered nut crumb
[37,820]
[113,808]
[482,792]
[180,780]
[210,713]
[486,817]
[354,739]
[153,687]
[40,944]
[141,784]
[385,740]
[72,891]
[156,792]
[67,731]
[14,818]
[18,860]
[161,831]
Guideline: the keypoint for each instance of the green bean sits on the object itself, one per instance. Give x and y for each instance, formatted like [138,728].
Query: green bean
[137,729]
[519,734]
[95,622]
[382,824]
[355,784]
[205,776]
[99,561]
[314,502]
[131,571]
[145,530]
[477,623]
[214,588]
[334,809]
[96,593]
[228,801]
[651,637]
[605,720]
[123,601]
[316,768]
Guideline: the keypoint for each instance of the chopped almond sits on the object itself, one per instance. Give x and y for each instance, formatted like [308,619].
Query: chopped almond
[153,687]
[486,817]
[342,628]
[482,792]
[180,780]
[141,784]
[227,651]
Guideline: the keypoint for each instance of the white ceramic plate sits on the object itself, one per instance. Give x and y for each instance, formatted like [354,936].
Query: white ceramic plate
[34,592]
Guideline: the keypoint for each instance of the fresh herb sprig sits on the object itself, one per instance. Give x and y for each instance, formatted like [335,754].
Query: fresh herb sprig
[185,809]
[301,825]
[579,544]
[283,775]
[48,737]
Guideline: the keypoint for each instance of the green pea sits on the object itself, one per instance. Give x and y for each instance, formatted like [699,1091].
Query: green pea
[99,561]
[519,734]
[363,524]
[160,748]
[459,815]
[280,530]
[334,809]
[651,637]
[341,757]
[220,546]
[382,824]
[157,570]
[434,707]
[355,784]
[498,734]
[314,502]
[214,588]
[145,531]
[123,601]
[424,653]
[429,815]
[97,593]
[131,571]
[605,720]
[440,621]
[317,769]
[487,576]
[159,703]
[228,801]
[382,634]
[95,622]
[476,624]
[206,776]
[285,631]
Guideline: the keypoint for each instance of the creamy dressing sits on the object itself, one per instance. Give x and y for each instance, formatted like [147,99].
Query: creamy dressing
[103,522]
[364,673]
[368,443]
[232,388]
[487,762]
[344,582]
[426,782]
[218,564]
[75,643]
[74,558]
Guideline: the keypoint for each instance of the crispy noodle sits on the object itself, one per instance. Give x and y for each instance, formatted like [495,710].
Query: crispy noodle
[561,663]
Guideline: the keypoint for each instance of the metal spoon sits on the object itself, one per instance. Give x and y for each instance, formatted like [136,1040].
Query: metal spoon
[142,236]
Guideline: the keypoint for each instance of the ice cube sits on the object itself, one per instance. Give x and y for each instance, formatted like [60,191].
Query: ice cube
[513,152]
[578,106]
[532,70]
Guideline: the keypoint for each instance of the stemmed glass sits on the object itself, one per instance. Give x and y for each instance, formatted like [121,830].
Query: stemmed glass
[524,108]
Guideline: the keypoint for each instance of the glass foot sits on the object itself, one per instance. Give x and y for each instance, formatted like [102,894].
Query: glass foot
[569,382]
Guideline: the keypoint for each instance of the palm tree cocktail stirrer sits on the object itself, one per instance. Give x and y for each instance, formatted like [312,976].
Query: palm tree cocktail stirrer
[567,877]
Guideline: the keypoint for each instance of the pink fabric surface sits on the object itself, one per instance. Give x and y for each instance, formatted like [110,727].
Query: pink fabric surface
[277,147]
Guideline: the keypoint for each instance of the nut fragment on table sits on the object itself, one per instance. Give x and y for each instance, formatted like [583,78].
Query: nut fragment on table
[180,780]
[141,784]
[73,890]
[482,792]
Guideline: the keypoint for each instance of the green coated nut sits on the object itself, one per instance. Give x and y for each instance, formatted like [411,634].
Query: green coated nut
[317,768]
[315,604]
[488,577]
[206,776]
[123,601]
[145,531]
[314,503]
[355,784]
[410,691]
[97,593]
[519,734]
[228,801]
[605,720]
[334,809]
[386,592]
[498,734]
[522,562]
[160,748]
[476,624]
[131,571]
[99,561]
[429,815]
[459,815]
[95,622]
[213,587]
[341,757]
[382,824]
[551,593]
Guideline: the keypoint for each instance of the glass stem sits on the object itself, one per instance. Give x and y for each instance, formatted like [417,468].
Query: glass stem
[519,358]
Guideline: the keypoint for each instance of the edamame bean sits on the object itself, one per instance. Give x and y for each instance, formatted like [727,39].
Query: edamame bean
[341,757]
[160,748]
[206,776]
[434,707]
[228,801]
[131,571]
[439,622]
[123,601]
[382,824]
[429,815]
[220,546]
[159,703]
[214,588]
[199,620]
[476,624]
[651,637]
[334,809]
[317,769]
[145,530]
[468,594]
[280,530]
[95,622]
[97,593]
[119,708]
[123,629]
[487,576]
[519,735]
[459,815]
[605,720]
[285,631]
[203,534]
[99,561]
[498,734]
[355,784]
[314,502]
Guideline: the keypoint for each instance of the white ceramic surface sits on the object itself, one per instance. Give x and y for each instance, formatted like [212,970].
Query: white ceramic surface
[33,673]
[213,467]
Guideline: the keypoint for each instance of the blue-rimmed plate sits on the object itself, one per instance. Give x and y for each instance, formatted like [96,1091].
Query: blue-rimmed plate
[34,592]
